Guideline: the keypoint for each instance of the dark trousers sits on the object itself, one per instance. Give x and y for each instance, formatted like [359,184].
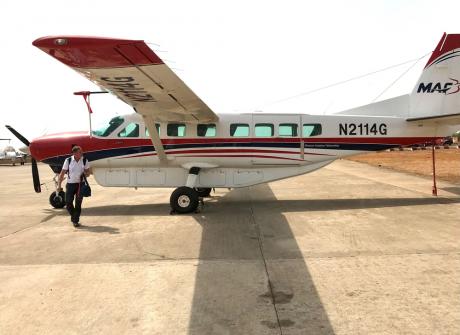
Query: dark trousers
[71,193]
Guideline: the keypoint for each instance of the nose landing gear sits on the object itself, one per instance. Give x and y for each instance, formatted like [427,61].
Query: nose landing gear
[57,198]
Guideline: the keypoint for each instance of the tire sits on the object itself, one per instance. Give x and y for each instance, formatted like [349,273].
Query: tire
[57,201]
[203,191]
[184,200]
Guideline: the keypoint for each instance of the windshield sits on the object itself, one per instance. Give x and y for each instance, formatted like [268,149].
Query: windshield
[106,130]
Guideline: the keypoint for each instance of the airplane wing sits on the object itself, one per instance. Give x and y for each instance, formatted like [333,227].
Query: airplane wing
[133,72]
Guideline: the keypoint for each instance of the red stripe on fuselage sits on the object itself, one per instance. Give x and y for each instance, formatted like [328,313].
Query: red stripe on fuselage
[221,151]
[60,144]
[247,156]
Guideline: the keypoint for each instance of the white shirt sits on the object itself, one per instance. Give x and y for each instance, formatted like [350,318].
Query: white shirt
[75,170]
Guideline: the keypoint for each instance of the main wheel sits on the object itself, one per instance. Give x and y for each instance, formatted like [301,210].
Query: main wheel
[57,201]
[184,200]
[203,191]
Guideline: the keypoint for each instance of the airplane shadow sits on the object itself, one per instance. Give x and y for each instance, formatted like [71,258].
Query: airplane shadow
[284,205]
[286,303]
[455,190]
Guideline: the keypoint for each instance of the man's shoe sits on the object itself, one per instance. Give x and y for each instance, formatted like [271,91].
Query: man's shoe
[76,224]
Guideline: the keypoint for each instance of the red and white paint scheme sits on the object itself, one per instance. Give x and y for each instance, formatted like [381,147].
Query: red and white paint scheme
[175,140]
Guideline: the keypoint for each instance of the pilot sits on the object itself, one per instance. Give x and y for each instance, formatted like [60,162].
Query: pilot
[74,166]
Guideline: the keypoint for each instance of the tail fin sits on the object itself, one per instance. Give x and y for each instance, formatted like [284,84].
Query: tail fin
[437,92]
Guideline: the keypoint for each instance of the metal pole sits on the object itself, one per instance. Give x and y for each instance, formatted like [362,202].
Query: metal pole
[89,114]
[433,155]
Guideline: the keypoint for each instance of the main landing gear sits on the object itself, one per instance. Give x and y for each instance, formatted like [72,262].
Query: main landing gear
[57,198]
[203,191]
[186,199]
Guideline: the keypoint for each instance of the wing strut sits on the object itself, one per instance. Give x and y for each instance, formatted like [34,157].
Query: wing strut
[155,137]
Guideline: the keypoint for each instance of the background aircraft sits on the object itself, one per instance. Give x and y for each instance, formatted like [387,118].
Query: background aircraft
[10,155]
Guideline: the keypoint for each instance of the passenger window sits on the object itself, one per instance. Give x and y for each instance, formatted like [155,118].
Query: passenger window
[311,129]
[206,130]
[157,125]
[239,130]
[176,129]
[287,129]
[131,130]
[264,130]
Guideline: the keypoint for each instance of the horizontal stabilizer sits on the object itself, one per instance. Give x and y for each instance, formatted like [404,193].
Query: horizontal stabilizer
[446,119]
[398,106]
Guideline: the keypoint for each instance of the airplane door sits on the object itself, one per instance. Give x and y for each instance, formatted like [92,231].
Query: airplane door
[276,139]
[311,150]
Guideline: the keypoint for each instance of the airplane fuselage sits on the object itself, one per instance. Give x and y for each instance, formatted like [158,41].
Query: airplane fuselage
[238,150]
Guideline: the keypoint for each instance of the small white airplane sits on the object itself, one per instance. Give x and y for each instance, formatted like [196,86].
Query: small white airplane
[10,155]
[175,140]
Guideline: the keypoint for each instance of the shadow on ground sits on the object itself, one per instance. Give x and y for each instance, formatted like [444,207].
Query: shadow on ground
[454,190]
[296,305]
[99,229]
[285,205]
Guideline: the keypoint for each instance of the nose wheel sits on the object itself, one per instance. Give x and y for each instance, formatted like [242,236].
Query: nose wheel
[184,200]
[57,200]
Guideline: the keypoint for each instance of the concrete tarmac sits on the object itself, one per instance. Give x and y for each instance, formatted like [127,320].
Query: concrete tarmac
[348,249]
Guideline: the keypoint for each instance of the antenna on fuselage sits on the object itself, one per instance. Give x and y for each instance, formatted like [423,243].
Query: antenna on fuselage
[86,95]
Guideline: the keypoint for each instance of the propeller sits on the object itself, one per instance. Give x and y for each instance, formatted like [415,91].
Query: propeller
[19,136]
[35,175]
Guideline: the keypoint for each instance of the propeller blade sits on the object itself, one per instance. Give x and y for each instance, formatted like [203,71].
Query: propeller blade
[35,176]
[19,136]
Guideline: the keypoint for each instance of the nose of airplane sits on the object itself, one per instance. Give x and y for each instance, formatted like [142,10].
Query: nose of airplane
[53,146]
[35,149]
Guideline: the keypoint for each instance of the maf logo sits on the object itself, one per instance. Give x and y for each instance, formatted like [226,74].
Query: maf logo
[446,88]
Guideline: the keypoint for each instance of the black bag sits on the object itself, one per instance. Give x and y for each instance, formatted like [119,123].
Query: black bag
[85,189]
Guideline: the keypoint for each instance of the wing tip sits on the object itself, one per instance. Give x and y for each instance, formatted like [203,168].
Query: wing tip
[88,51]
[79,41]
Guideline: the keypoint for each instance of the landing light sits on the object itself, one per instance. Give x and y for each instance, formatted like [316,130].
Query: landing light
[60,41]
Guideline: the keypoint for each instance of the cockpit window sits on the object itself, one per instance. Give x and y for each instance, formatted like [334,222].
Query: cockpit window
[108,129]
[131,130]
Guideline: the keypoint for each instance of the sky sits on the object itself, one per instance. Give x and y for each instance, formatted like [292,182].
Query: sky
[237,56]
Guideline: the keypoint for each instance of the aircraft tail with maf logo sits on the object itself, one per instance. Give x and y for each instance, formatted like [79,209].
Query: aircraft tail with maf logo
[436,96]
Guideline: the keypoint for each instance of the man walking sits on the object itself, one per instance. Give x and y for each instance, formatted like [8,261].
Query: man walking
[74,166]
